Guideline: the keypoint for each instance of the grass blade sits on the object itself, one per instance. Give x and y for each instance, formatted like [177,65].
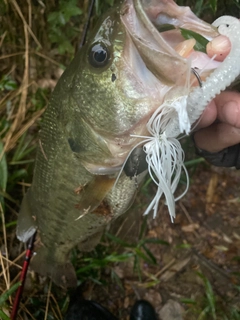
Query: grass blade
[201,42]
[8,293]
[3,172]
[3,316]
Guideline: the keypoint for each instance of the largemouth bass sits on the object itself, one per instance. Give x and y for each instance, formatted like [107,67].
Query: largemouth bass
[98,109]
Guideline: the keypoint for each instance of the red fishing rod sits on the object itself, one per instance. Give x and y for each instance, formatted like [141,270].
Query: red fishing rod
[26,262]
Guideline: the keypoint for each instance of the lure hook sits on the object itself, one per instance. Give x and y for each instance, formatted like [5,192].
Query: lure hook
[194,71]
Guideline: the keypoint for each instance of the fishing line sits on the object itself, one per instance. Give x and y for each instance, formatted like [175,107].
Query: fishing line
[86,25]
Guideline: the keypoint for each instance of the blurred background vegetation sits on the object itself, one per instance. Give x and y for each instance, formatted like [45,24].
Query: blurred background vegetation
[38,39]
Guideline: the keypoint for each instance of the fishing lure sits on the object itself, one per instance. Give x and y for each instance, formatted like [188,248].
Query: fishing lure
[164,154]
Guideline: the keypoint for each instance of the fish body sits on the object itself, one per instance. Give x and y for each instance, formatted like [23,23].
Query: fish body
[100,105]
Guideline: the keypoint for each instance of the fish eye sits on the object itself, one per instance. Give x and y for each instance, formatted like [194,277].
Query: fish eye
[99,55]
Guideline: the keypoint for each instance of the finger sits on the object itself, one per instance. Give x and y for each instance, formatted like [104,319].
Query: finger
[228,108]
[217,137]
[219,46]
[208,117]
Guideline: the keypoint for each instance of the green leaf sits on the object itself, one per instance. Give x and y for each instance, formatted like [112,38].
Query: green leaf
[8,293]
[6,83]
[149,253]
[23,148]
[201,42]
[198,7]
[52,17]
[7,196]
[143,227]
[194,162]
[118,258]
[10,224]
[165,27]
[140,254]
[118,240]
[71,11]
[210,295]
[213,5]
[188,301]
[3,316]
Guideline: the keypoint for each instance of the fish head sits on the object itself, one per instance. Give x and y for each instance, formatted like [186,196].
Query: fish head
[123,74]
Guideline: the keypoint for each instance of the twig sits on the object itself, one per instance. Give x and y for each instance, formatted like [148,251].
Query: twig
[12,263]
[188,217]
[48,299]
[6,275]
[165,268]
[11,55]
[57,306]
[4,271]
[8,146]
[25,23]
[47,58]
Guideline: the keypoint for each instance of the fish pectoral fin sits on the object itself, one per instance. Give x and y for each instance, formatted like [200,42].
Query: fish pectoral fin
[94,192]
[26,225]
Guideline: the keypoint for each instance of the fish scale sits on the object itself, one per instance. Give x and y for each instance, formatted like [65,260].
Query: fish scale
[79,185]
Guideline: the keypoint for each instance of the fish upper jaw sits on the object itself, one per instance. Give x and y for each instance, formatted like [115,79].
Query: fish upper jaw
[168,12]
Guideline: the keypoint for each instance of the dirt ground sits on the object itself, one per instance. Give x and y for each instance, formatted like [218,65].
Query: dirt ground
[204,245]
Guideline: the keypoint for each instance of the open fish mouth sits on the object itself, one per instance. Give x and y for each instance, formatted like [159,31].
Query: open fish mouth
[171,61]
[159,62]
[156,28]
[159,54]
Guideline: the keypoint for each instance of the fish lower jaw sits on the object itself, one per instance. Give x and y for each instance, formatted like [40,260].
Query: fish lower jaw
[98,169]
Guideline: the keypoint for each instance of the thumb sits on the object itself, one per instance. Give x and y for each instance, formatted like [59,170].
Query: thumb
[219,46]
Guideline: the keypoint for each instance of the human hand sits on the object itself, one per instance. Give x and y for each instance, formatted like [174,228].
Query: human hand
[219,126]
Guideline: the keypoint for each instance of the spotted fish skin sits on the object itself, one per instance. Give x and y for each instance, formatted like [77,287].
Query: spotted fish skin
[68,203]
[106,95]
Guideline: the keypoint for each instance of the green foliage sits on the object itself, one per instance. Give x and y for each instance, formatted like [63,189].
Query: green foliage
[211,300]
[39,99]
[201,42]
[4,297]
[92,265]
[212,8]
[6,83]
[3,315]
[101,6]
[3,173]
[200,7]
[22,151]
[213,5]
[61,26]
[8,293]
